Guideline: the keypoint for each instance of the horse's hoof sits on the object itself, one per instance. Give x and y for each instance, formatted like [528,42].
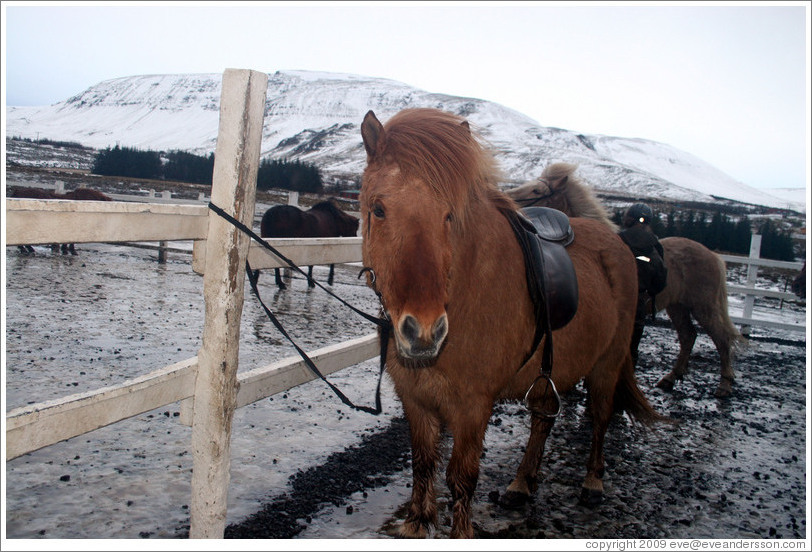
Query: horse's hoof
[513,500]
[590,497]
[666,384]
[413,530]
[722,392]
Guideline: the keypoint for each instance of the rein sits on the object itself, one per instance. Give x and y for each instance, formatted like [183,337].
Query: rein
[384,323]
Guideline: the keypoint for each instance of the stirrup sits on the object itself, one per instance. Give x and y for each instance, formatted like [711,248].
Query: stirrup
[555,394]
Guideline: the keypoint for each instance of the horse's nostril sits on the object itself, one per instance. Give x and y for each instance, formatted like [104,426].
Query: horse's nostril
[440,329]
[410,328]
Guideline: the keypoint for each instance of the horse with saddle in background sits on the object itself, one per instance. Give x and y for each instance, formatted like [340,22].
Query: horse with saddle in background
[323,220]
[696,284]
[79,194]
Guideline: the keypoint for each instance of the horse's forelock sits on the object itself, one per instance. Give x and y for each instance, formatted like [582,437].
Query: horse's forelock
[440,149]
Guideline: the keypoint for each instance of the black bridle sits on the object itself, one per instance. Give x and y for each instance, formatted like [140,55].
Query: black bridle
[531,201]
[383,323]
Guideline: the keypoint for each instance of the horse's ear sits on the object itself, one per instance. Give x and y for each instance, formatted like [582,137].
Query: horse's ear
[557,183]
[373,135]
[466,126]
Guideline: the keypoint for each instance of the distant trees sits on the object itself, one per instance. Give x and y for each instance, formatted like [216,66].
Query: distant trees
[188,167]
[721,233]
[132,162]
[295,175]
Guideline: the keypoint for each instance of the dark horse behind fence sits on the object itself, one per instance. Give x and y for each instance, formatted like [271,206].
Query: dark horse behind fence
[323,220]
[79,194]
[696,285]
[439,249]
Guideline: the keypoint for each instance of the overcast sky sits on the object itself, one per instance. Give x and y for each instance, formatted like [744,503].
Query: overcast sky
[727,82]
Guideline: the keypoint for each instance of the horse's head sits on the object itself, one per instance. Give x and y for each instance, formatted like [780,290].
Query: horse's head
[547,190]
[419,178]
[347,224]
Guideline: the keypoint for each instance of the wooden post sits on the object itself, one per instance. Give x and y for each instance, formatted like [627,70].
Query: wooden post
[242,104]
[752,273]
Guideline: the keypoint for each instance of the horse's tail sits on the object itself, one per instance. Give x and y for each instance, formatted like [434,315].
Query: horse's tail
[734,338]
[629,398]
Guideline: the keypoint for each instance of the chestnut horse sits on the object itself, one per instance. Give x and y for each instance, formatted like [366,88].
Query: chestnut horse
[81,194]
[696,285]
[435,241]
[323,220]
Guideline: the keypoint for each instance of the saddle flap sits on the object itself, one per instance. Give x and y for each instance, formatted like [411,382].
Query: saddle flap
[551,277]
[550,224]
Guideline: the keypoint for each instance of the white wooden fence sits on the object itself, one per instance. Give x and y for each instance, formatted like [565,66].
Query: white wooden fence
[751,292]
[207,386]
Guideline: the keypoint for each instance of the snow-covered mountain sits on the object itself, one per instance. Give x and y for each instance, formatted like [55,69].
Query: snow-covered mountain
[316,117]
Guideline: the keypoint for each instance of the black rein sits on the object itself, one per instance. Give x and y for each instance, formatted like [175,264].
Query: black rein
[383,323]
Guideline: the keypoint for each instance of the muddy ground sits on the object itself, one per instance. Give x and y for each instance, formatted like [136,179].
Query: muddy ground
[306,466]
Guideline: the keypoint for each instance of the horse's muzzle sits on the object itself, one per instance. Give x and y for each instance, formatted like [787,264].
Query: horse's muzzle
[420,342]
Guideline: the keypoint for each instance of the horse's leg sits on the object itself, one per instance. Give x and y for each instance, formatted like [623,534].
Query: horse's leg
[310,282]
[72,249]
[424,429]
[332,273]
[720,335]
[686,333]
[463,468]
[601,383]
[526,481]
[278,279]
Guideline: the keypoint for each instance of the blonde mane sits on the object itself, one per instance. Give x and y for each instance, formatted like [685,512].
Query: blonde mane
[558,187]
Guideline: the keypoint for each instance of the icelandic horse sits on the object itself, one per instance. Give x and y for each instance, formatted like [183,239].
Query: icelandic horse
[696,285]
[435,243]
[323,220]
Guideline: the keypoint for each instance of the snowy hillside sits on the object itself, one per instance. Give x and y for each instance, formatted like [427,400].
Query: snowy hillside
[315,117]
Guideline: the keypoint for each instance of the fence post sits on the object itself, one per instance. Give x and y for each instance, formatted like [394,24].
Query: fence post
[242,104]
[752,273]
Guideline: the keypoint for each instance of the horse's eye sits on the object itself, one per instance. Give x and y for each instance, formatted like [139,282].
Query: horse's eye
[378,211]
[449,217]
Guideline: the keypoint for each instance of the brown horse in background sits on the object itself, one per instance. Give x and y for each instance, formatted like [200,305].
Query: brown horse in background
[79,194]
[323,220]
[696,285]
[436,240]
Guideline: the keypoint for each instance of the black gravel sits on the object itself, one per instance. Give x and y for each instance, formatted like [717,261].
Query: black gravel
[359,468]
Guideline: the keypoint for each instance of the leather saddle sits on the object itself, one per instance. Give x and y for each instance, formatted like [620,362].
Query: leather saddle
[543,234]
